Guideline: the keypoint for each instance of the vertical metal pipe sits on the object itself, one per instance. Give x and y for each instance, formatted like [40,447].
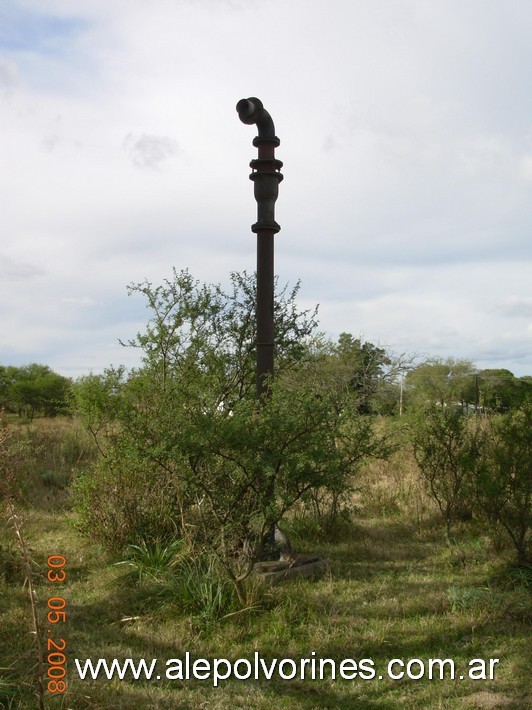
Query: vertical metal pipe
[264,310]
[266,177]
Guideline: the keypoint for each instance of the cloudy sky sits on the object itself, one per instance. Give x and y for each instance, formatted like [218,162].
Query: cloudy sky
[406,137]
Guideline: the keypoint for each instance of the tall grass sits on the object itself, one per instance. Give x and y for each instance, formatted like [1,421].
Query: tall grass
[16,523]
[38,460]
[171,576]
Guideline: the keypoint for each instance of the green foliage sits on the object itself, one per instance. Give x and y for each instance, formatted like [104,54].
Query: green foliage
[364,367]
[462,598]
[446,383]
[367,373]
[17,461]
[33,389]
[200,589]
[8,376]
[500,391]
[458,384]
[153,560]
[176,576]
[8,692]
[121,500]
[504,483]
[480,464]
[185,444]
[11,563]
[447,448]
[519,577]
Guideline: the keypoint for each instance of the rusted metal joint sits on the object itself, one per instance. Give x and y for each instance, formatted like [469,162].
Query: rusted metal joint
[265,174]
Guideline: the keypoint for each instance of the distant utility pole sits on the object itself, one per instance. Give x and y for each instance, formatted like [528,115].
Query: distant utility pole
[266,177]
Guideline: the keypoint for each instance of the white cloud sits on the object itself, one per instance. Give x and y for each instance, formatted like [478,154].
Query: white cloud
[517,307]
[405,134]
[9,76]
[12,269]
[149,151]
[526,167]
[82,301]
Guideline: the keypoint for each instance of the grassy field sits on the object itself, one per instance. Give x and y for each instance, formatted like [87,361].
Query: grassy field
[396,590]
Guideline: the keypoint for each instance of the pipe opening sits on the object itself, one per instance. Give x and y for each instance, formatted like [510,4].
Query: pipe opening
[252,111]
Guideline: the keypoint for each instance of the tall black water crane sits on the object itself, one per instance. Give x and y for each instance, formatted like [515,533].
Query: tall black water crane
[266,177]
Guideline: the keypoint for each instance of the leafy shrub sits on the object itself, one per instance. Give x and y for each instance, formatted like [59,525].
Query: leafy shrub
[186,445]
[124,503]
[503,486]
[448,450]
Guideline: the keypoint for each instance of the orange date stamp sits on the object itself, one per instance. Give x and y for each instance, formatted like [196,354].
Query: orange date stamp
[57,614]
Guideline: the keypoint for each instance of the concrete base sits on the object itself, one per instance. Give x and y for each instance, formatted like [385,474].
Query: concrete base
[297,567]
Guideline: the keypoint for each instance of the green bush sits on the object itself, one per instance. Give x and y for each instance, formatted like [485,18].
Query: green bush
[122,502]
[448,449]
[188,449]
[503,486]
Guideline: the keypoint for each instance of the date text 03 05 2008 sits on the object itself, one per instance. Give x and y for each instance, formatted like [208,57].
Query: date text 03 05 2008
[56,648]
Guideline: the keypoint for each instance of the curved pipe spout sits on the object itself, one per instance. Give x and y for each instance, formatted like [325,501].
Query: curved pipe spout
[252,111]
[266,174]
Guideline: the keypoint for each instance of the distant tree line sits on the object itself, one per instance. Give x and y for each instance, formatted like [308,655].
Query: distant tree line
[389,384]
[380,382]
[458,384]
[32,390]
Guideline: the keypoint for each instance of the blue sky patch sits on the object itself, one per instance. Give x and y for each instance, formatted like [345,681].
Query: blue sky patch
[23,30]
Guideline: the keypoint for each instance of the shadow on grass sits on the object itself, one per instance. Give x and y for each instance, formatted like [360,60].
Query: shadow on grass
[387,598]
